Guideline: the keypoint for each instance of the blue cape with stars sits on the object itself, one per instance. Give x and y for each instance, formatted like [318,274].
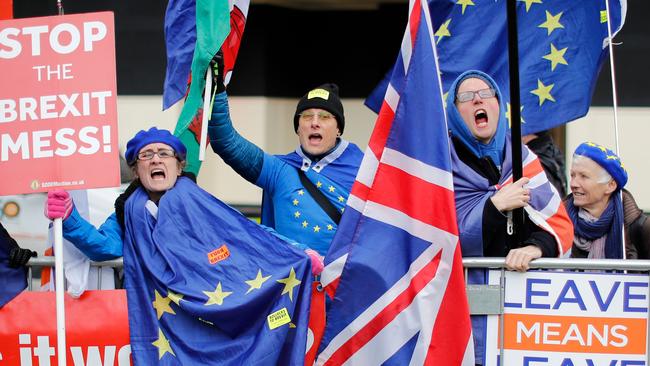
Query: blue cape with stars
[207,286]
[290,209]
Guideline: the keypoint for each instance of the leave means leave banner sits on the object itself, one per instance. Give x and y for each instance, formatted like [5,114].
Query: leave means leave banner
[570,319]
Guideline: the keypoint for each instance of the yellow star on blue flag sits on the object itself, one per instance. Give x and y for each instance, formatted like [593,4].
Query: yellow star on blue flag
[557,41]
[289,283]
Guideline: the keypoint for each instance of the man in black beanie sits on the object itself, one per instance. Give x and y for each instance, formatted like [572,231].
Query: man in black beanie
[305,191]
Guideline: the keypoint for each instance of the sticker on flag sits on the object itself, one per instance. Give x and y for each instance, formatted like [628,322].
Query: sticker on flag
[278,318]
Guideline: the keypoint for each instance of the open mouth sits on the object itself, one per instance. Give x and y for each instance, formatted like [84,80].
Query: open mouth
[158,174]
[315,138]
[481,118]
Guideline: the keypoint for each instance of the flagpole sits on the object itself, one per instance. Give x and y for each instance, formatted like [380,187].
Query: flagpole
[59,277]
[206,113]
[515,115]
[613,74]
[610,44]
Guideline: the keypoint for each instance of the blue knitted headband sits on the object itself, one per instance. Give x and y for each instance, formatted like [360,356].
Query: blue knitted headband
[606,158]
[153,135]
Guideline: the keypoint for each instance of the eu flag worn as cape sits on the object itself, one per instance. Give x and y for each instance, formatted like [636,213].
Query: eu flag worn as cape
[395,265]
[12,280]
[207,286]
[562,46]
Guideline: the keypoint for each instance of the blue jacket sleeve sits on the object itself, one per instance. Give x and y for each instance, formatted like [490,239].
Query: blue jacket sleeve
[98,244]
[242,155]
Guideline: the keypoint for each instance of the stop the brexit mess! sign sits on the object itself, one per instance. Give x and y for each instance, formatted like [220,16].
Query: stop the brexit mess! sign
[58,106]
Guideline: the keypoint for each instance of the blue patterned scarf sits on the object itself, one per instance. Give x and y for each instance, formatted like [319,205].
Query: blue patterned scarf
[610,223]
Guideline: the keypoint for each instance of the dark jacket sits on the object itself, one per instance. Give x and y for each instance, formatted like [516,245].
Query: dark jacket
[552,160]
[496,241]
[637,231]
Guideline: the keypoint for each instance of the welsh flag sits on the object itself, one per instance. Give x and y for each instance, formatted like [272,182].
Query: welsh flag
[195,30]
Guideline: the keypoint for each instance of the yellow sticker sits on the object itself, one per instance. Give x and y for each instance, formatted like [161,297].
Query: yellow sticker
[278,319]
[603,16]
[319,93]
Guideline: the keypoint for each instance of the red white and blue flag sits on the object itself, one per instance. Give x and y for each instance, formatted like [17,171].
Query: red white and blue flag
[395,267]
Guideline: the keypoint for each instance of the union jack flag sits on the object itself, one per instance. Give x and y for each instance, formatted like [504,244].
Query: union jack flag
[545,208]
[394,267]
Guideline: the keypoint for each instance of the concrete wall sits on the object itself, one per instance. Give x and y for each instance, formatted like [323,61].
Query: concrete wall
[633,129]
[268,123]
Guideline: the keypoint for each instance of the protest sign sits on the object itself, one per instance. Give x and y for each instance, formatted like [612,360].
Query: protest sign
[97,330]
[571,319]
[58,103]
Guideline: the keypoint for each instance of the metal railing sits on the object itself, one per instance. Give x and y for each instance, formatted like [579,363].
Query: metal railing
[40,262]
[483,299]
[478,262]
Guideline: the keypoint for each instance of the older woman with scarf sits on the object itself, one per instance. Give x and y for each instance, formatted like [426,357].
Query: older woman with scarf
[484,191]
[596,208]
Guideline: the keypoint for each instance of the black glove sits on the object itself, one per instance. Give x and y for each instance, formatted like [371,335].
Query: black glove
[217,67]
[190,175]
[18,256]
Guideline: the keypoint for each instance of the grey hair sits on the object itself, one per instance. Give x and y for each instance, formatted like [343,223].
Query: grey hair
[603,176]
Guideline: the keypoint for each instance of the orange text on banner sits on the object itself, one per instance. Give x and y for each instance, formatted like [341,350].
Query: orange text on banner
[574,334]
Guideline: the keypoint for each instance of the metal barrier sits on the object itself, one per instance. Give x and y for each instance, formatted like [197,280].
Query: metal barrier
[41,262]
[488,299]
[483,299]
[479,262]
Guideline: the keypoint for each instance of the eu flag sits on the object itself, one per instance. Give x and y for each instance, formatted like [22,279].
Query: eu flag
[207,286]
[12,280]
[562,45]
[395,263]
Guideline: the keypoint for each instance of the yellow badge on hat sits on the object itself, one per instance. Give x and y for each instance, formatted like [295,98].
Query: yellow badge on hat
[319,93]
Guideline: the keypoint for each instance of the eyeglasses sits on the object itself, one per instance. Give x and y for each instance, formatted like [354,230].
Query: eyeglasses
[162,153]
[323,116]
[469,95]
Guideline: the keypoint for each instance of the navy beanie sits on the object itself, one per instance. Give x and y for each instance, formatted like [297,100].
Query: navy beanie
[151,136]
[324,97]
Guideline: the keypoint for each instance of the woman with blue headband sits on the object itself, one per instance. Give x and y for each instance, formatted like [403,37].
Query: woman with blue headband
[157,158]
[597,211]
[193,265]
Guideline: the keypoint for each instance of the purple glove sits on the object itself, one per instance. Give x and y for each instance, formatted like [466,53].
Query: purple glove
[58,205]
[316,261]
